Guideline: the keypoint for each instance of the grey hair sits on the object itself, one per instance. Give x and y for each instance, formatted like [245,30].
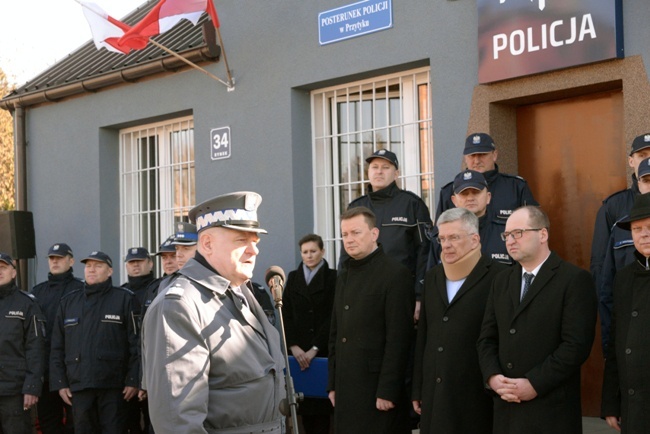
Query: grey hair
[465,216]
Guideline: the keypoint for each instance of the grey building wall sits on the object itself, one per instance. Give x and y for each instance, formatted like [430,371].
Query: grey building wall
[273,50]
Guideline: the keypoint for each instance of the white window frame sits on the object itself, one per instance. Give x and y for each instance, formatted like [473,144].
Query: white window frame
[170,172]
[414,148]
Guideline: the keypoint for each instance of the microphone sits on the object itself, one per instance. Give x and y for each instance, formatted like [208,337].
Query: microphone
[274,277]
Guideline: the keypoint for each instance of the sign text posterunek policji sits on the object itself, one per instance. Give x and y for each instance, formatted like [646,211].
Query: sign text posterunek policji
[522,37]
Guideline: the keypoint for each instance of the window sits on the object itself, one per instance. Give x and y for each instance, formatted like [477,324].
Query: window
[156,181]
[352,121]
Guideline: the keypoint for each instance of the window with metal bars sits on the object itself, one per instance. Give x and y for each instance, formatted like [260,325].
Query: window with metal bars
[157,181]
[350,122]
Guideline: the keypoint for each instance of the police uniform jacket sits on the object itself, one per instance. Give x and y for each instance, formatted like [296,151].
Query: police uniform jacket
[49,294]
[627,377]
[138,285]
[612,249]
[95,341]
[447,377]
[403,220]
[210,365]
[370,337]
[509,192]
[22,347]
[545,338]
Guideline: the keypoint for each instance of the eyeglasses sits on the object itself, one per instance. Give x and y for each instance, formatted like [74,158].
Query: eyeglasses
[517,233]
[451,238]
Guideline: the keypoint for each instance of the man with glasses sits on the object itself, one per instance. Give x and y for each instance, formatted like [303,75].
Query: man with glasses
[447,375]
[537,331]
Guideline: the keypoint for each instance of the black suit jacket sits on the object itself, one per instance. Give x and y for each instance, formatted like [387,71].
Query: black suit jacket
[545,339]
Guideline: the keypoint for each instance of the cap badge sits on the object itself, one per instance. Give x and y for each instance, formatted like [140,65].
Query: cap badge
[476,140]
[134,251]
[93,253]
[646,138]
[251,202]
[381,152]
[180,227]
[55,247]
[467,176]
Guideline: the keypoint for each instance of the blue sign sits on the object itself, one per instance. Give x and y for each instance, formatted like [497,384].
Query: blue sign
[220,144]
[354,20]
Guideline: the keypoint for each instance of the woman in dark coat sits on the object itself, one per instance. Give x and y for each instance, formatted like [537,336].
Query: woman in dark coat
[308,300]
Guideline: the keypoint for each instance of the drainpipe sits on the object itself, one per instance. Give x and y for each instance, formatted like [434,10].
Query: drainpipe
[20,181]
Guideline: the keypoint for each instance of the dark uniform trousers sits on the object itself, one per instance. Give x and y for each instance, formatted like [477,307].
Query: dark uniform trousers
[51,413]
[13,419]
[109,402]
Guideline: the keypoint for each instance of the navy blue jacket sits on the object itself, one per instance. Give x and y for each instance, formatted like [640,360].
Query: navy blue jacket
[509,192]
[49,294]
[22,347]
[611,250]
[95,341]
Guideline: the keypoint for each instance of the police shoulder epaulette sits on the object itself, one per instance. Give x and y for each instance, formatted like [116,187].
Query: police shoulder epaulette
[617,193]
[447,185]
[72,292]
[509,175]
[357,200]
[27,294]
[175,291]
[127,290]
[415,195]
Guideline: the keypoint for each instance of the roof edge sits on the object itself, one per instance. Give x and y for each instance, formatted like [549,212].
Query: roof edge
[125,75]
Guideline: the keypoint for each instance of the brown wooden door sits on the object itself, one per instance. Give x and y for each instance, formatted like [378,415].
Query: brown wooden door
[573,155]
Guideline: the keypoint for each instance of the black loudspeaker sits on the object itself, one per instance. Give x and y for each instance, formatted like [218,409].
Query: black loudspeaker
[17,234]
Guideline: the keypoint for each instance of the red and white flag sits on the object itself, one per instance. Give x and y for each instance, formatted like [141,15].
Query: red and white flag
[165,15]
[105,29]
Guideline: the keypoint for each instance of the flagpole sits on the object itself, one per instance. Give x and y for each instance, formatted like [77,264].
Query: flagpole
[192,64]
[231,83]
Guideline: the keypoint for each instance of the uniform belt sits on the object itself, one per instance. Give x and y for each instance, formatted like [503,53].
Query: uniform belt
[273,427]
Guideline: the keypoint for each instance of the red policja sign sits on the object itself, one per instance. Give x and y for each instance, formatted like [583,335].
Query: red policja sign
[523,37]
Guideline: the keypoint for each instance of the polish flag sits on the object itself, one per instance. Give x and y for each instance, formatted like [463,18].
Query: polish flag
[165,15]
[105,29]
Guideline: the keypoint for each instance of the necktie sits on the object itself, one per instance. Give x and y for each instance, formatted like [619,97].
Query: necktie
[528,278]
[237,298]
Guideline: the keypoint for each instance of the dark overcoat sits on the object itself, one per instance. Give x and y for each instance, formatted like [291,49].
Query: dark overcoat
[307,316]
[308,308]
[626,384]
[545,338]
[370,336]
[447,377]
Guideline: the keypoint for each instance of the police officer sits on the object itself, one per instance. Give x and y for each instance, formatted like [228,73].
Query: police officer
[509,192]
[94,361]
[612,247]
[471,192]
[22,352]
[139,268]
[212,362]
[185,239]
[403,218]
[52,411]
[169,265]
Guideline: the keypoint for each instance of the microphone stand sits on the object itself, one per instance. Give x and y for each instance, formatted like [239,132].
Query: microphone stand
[292,396]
